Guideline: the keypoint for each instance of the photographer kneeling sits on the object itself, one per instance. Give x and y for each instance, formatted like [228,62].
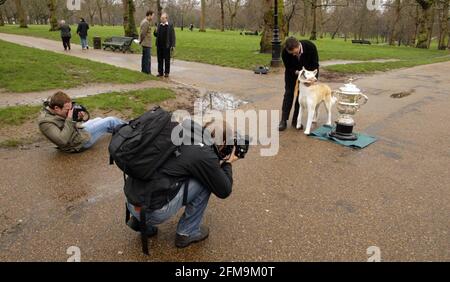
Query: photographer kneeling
[59,124]
[197,171]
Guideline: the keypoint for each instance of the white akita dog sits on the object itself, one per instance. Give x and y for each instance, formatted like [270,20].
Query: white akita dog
[312,94]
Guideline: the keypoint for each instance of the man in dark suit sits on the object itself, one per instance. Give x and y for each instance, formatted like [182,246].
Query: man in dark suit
[165,43]
[296,55]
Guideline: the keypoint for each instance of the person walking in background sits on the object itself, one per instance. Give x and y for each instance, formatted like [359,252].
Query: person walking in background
[82,31]
[65,34]
[165,43]
[145,40]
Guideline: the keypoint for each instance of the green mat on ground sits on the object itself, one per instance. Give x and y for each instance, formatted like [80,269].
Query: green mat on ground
[362,141]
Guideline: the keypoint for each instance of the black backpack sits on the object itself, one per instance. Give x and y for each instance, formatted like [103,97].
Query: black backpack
[139,148]
[144,144]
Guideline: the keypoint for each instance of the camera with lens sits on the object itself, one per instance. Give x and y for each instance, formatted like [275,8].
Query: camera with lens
[241,143]
[77,108]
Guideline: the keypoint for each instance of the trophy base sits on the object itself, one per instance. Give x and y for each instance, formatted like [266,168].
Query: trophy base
[343,132]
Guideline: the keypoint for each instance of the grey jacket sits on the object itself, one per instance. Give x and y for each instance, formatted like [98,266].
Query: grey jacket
[62,132]
[65,30]
[145,37]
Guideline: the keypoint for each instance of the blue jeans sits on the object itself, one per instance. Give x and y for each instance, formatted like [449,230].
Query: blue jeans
[98,127]
[84,43]
[189,223]
[146,63]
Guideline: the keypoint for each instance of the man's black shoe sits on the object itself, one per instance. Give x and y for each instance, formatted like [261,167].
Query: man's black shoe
[133,223]
[166,75]
[282,126]
[159,75]
[182,241]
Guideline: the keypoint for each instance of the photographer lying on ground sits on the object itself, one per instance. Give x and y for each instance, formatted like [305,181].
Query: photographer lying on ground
[59,124]
[193,174]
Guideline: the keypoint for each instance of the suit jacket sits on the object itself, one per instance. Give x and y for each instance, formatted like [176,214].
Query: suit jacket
[145,36]
[308,59]
[171,40]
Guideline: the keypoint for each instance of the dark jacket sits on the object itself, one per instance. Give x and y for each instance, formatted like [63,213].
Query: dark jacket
[308,59]
[82,29]
[197,161]
[171,40]
[65,30]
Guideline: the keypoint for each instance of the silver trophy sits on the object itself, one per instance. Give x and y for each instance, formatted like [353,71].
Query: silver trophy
[350,99]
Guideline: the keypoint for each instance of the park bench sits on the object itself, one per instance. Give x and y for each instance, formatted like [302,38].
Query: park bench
[361,42]
[121,43]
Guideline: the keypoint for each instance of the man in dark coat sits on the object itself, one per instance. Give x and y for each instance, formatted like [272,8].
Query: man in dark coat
[82,31]
[296,55]
[165,43]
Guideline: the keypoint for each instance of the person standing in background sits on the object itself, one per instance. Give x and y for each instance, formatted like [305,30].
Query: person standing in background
[165,43]
[65,34]
[82,31]
[145,40]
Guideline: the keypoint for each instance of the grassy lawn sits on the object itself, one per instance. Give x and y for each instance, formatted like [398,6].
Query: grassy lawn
[26,69]
[130,104]
[234,50]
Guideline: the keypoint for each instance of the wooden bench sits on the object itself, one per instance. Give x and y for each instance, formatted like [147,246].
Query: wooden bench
[361,42]
[120,43]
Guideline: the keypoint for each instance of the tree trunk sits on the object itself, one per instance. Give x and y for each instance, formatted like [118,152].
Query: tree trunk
[423,20]
[394,28]
[314,14]
[267,33]
[2,22]
[159,10]
[443,26]
[51,4]
[21,14]
[100,11]
[305,18]
[222,16]
[430,26]
[128,18]
[203,16]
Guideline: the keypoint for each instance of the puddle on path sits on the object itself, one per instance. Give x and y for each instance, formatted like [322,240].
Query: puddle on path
[219,101]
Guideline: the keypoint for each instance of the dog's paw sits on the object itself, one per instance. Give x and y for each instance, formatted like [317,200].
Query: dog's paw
[299,127]
[306,132]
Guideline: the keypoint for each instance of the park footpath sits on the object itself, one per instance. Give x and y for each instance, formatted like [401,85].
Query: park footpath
[313,201]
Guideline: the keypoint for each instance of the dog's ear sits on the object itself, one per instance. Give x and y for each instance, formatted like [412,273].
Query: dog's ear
[315,71]
[303,69]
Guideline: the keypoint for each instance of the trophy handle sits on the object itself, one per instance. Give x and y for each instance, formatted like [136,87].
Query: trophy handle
[365,99]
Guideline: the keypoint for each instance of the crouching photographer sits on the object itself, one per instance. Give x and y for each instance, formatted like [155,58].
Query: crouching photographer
[193,173]
[67,124]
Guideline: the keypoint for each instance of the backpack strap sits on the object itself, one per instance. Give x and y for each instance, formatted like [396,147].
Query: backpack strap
[143,227]
[127,213]
[185,193]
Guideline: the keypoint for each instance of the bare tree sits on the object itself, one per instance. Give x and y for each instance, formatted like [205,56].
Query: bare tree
[443,25]
[21,14]
[222,16]
[233,7]
[2,21]
[51,4]
[267,34]
[129,23]
[425,17]
[203,16]
[290,9]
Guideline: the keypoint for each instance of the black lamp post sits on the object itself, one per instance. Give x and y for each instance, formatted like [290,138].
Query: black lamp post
[276,42]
